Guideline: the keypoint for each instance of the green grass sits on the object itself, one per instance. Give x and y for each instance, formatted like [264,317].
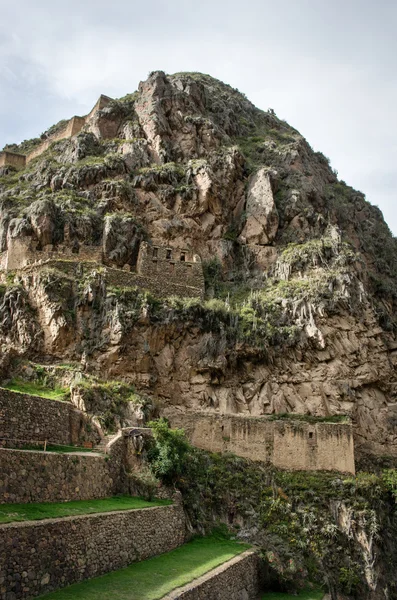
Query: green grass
[153,578]
[309,418]
[62,449]
[52,510]
[35,389]
[306,594]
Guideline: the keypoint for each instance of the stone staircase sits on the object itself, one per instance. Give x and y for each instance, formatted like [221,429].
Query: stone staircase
[107,441]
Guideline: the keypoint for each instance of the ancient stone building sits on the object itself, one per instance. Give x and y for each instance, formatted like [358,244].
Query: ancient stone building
[171,266]
[161,270]
[286,444]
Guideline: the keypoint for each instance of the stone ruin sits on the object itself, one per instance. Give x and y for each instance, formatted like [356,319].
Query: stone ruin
[70,129]
[160,269]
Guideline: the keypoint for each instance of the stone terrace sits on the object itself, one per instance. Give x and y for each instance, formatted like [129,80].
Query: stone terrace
[25,418]
[72,549]
[285,443]
[41,556]
[119,278]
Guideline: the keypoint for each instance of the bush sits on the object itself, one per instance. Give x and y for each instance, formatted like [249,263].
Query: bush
[169,452]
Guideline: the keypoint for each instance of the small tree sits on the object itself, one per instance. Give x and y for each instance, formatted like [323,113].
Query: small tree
[170,450]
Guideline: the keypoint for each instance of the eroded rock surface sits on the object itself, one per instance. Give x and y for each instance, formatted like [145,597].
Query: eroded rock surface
[262,216]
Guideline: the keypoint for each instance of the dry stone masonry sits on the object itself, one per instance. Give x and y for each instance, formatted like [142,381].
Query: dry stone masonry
[163,271]
[287,444]
[238,579]
[71,128]
[33,476]
[25,418]
[40,556]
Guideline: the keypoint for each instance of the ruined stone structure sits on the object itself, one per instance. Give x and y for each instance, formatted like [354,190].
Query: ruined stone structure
[161,270]
[287,444]
[12,159]
[22,252]
[70,129]
[169,266]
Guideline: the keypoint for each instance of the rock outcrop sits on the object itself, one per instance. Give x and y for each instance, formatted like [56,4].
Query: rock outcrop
[262,216]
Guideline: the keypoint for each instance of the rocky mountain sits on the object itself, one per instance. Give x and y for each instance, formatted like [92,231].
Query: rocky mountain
[180,252]
[300,270]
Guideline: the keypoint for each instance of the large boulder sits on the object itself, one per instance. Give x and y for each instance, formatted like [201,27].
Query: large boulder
[262,216]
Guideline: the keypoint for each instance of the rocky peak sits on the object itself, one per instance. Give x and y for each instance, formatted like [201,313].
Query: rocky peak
[300,270]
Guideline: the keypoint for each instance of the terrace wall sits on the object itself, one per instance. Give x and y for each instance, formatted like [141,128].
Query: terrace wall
[239,578]
[32,418]
[41,556]
[287,444]
[34,476]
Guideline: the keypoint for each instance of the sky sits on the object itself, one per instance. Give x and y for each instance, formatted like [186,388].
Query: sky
[327,67]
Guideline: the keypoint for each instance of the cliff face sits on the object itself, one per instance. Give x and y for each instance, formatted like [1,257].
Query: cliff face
[301,276]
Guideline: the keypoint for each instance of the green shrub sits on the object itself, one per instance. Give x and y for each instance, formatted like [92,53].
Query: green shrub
[167,457]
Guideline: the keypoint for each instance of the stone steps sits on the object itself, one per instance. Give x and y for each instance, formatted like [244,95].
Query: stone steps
[106,442]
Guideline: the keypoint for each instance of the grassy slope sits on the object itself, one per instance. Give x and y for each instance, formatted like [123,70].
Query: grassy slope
[51,510]
[153,578]
[34,389]
[307,594]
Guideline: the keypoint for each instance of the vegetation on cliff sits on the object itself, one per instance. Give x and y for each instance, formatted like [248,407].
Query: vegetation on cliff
[325,527]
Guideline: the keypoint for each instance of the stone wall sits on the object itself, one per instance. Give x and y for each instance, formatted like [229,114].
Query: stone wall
[84,253]
[12,159]
[40,556]
[22,253]
[120,278]
[168,266]
[287,444]
[99,105]
[71,128]
[160,275]
[237,579]
[34,476]
[31,418]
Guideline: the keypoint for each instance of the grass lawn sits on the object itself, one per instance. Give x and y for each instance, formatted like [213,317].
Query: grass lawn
[51,510]
[153,578]
[35,389]
[306,594]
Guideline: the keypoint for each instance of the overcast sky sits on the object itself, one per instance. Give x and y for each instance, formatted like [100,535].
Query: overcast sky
[327,67]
